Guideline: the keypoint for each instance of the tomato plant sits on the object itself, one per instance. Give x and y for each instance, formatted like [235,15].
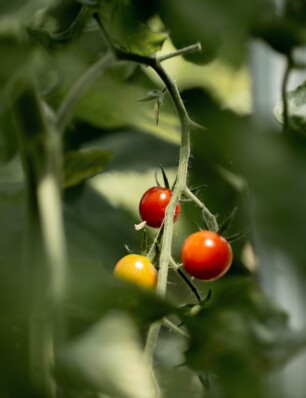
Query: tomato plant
[153,204]
[89,106]
[206,255]
[137,269]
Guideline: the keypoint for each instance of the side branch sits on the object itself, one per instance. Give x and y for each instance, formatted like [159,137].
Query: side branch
[209,218]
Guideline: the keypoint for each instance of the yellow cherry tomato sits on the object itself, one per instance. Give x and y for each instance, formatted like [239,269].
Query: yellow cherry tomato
[137,269]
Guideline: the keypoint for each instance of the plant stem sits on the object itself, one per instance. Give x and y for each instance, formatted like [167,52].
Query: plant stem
[209,218]
[189,49]
[166,244]
[78,89]
[44,243]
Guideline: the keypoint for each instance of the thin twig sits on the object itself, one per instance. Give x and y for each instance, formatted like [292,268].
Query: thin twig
[186,279]
[175,328]
[186,50]
[209,218]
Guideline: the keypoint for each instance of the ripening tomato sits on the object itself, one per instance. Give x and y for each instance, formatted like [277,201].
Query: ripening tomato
[206,255]
[153,204]
[137,269]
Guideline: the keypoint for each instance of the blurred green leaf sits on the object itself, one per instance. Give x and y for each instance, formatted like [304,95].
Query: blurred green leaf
[101,106]
[108,358]
[20,57]
[93,292]
[122,21]
[186,22]
[275,169]
[94,295]
[240,336]
[81,165]
[50,40]
[281,34]
[15,52]
[218,25]
[295,10]
[8,143]
[20,11]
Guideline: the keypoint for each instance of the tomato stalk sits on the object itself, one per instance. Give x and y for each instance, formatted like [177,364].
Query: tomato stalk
[180,187]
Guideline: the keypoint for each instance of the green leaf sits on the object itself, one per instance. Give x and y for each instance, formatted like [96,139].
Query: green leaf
[295,10]
[8,142]
[108,358]
[220,26]
[50,40]
[93,292]
[109,104]
[151,95]
[122,21]
[81,165]
[17,11]
[15,52]
[281,34]
[20,57]
[296,109]
[241,333]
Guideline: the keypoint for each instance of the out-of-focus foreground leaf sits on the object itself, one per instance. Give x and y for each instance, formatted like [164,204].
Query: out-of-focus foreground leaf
[108,358]
[80,165]
[127,30]
[240,336]
[100,106]
[220,26]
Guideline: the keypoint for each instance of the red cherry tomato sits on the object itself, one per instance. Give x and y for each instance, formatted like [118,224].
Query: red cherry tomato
[153,205]
[137,269]
[206,255]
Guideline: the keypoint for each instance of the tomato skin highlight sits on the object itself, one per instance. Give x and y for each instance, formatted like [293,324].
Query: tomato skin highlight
[153,204]
[136,269]
[206,255]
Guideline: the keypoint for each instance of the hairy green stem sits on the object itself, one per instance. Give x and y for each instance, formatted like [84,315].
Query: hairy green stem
[183,51]
[209,218]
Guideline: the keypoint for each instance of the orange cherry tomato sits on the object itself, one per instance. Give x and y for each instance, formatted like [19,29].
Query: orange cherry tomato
[137,269]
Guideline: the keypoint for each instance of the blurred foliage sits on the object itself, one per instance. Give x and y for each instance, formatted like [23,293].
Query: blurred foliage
[241,334]
[107,358]
[80,165]
[111,150]
[296,108]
